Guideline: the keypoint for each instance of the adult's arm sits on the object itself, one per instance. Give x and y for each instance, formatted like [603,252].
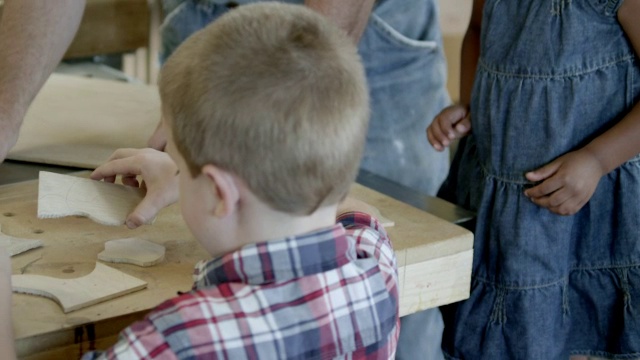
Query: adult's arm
[34,34]
[350,15]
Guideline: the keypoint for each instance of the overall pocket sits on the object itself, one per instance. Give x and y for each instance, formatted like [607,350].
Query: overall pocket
[407,79]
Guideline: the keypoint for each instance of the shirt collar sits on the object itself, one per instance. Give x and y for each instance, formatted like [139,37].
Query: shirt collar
[279,260]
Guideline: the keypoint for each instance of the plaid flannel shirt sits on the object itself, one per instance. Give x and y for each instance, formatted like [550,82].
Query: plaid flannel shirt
[328,294]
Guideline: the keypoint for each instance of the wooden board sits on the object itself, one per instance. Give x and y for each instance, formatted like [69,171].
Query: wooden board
[16,245]
[134,251]
[102,284]
[62,195]
[71,247]
[434,256]
[434,259]
[80,122]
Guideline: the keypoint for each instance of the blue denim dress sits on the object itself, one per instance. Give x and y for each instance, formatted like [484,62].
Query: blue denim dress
[552,75]
[406,70]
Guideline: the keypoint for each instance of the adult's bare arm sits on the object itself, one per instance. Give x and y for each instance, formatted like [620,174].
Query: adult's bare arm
[34,34]
[350,15]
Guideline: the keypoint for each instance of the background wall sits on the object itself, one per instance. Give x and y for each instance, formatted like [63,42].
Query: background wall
[454,18]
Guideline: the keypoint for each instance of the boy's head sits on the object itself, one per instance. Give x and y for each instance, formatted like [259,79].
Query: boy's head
[276,95]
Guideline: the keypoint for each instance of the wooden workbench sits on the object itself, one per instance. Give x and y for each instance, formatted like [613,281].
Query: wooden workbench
[79,122]
[434,259]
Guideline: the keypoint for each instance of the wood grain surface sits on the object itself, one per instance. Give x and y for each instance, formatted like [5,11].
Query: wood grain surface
[102,284]
[62,195]
[434,259]
[17,245]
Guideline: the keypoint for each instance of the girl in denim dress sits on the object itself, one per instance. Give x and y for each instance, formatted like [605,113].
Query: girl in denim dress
[552,167]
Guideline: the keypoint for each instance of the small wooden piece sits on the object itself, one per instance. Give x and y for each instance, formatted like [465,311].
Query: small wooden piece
[17,245]
[105,203]
[132,251]
[102,284]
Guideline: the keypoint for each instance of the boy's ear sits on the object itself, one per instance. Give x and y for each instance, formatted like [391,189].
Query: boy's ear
[223,185]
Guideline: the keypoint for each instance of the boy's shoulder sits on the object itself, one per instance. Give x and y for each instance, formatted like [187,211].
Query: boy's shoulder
[266,299]
[370,236]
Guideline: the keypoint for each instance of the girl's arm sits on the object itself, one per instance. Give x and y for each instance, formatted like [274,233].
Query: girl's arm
[454,121]
[622,142]
[569,181]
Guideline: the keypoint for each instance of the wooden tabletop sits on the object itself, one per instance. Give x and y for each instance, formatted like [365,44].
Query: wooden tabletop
[434,260]
[80,122]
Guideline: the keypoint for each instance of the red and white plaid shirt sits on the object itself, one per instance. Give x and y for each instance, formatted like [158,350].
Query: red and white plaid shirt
[328,294]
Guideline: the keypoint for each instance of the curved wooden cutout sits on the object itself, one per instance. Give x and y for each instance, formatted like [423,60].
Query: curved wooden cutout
[105,203]
[132,251]
[104,283]
[16,245]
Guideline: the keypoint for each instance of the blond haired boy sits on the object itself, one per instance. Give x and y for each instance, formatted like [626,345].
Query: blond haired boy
[267,112]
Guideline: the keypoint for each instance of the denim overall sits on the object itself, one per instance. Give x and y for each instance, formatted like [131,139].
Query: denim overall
[401,49]
[552,75]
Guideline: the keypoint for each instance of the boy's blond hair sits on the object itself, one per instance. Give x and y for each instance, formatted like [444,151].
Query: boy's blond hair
[275,94]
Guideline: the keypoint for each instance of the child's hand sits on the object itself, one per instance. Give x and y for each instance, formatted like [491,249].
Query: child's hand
[452,123]
[567,182]
[158,173]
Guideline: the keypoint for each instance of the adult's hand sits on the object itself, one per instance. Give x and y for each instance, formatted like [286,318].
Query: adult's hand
[158,173]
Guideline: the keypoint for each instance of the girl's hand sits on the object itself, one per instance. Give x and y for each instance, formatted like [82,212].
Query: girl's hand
[452,123]
[158,173]
[567,182]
